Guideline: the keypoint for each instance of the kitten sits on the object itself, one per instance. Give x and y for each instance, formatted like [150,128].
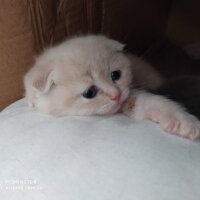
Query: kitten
[91,75]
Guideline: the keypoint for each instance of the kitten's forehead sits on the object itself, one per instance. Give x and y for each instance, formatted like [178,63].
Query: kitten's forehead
[86,59]
[86,70]
[84,66]
[86,50]
[84,73]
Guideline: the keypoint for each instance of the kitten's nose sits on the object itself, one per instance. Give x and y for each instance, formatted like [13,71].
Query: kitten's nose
[116,97]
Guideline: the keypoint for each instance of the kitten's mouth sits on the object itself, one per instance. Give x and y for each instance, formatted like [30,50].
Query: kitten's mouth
[118,104]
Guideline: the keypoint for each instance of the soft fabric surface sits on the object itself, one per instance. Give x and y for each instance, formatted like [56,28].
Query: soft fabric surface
[93,158]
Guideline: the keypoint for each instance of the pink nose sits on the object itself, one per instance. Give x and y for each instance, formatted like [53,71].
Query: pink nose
[116,97]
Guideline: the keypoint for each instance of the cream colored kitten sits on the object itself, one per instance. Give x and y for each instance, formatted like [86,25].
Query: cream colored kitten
[90,75]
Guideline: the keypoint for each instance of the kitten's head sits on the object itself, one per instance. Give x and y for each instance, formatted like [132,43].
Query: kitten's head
[83,76]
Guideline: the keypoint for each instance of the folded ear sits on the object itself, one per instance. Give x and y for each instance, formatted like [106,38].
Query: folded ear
[112,44]
[115,45]
[39,78]
[43,81]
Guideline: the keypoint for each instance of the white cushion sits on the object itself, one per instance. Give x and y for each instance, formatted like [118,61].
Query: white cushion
[93,158]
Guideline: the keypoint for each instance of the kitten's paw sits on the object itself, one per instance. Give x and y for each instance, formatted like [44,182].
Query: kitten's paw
[169,115]
[182,124]
[172,126]
[189,129]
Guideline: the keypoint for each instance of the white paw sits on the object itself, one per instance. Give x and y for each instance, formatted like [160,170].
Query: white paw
[179,123]
[169,115]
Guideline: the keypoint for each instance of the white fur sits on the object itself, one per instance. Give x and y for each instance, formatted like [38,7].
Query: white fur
[171,116]
[55,84]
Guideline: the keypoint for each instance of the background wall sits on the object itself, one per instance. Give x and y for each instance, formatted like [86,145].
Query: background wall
[184,21]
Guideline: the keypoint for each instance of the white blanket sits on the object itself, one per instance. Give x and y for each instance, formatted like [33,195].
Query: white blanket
[93,158]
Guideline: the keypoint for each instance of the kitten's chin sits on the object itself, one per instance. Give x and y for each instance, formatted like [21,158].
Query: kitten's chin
[111,109]
[116,109]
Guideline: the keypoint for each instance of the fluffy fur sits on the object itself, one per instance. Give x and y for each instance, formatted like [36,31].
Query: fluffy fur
[170,116]
[61,74]
[56,83]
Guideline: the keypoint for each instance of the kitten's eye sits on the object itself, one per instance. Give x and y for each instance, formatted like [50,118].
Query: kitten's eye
[90,92]
[115,75]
